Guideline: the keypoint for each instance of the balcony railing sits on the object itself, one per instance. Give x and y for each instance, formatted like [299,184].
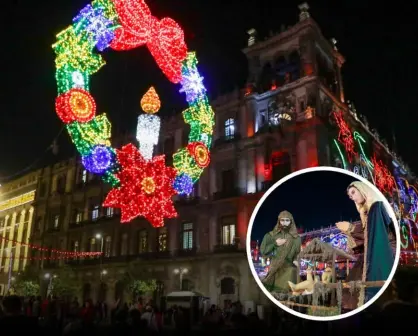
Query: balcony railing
[185,252]
[120,259]
[75,225]
[227,139]
[226,194]
[228,248]
[183,200]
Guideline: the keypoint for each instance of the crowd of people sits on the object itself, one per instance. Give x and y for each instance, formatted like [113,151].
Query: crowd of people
[52,316]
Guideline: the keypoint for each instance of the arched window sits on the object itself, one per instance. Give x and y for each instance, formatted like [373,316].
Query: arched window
[227,286]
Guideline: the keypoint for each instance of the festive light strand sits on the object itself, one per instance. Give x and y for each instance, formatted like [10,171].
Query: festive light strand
[123,25]
[41,248]
[344,135]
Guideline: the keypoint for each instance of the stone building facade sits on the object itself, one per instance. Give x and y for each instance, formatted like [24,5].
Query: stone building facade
[16,221]
[277,124]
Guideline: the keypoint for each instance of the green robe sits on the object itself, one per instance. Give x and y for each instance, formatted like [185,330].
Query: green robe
[282,268]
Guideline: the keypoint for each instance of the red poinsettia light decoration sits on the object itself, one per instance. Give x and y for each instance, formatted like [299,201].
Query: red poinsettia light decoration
[384,180]
[146,188]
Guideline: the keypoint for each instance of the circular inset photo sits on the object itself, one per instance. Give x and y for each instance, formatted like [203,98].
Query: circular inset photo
[323,243]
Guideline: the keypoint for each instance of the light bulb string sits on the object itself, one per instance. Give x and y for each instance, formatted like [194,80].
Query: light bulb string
[45,249]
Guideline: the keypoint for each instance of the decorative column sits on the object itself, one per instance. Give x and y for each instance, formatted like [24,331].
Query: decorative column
[242,172]
[251,179]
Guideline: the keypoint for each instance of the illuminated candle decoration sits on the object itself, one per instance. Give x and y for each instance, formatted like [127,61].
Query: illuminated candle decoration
[148,128]
[150,102]
[142,185]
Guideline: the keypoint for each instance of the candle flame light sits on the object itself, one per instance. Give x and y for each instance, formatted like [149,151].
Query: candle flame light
[150,102]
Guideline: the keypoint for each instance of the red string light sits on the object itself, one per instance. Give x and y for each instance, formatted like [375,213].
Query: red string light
[384,180]
[345,136]
[41,248]
[146,188]
[164,38]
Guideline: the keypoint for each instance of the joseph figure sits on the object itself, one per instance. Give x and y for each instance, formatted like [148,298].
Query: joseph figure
[282,245]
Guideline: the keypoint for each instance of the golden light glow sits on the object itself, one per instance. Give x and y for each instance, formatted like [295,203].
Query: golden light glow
[148,185]
[150,102]
[16,201]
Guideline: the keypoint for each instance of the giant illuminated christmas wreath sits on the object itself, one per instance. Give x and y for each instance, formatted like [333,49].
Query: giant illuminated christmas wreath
[142,185]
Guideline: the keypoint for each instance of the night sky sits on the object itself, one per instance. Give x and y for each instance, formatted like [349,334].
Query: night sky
[316,199]
[380,74]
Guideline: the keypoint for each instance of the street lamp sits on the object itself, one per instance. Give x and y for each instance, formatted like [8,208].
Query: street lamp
[181,271]
[99,236]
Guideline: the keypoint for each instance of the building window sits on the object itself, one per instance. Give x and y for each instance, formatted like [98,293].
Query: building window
[187,236]
[108,246]
[95,213]
[186,285]
[143,241]
[56,221]
[79,217]
[228,181]
[162,239]
[93,245]
[61,184]
[229,128]
[76,246]
[84,176]
[227,286]
[228,230]
[281,165]
[109,212]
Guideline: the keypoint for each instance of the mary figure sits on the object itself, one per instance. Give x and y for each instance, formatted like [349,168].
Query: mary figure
[374,240]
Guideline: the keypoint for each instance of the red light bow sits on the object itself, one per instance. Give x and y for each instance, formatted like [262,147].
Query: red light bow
[164,38]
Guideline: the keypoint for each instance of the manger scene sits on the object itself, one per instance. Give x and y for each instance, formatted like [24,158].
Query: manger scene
[321,292]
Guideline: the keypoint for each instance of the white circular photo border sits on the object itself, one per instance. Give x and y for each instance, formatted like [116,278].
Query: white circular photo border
[270,296]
